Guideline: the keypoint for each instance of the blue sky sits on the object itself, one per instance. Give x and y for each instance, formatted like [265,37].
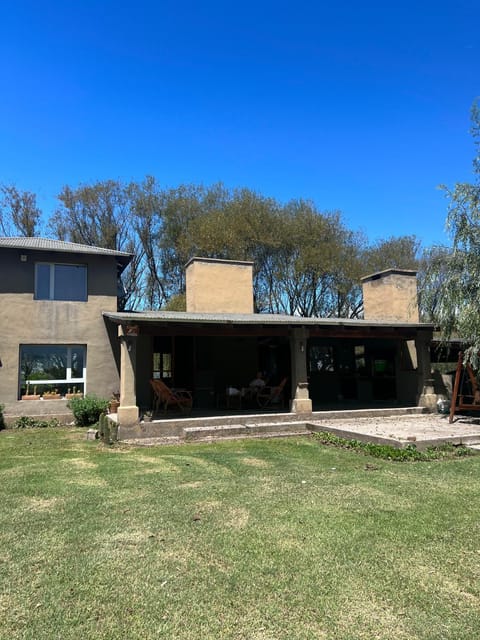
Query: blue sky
[362,106]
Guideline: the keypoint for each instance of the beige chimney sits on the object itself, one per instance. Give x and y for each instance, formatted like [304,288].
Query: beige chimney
[391,295]
[219,286]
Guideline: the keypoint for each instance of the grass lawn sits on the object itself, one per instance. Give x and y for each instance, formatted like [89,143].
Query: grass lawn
[255,540]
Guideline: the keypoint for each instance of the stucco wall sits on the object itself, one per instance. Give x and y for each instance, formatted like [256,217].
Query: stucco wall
[219,286]
[391,297]
[19,277]
[24,320]
[27,321]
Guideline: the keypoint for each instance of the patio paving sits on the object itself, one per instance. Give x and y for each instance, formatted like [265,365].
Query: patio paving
[398,427]
[423,430]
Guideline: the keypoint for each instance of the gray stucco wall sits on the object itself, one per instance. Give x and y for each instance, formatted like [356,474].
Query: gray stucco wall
[24,320]
[19,277]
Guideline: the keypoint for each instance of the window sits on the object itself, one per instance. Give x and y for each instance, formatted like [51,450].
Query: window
[162,358]
[60,281]
[321,359]
[360,360]
[162,365]
[59,368]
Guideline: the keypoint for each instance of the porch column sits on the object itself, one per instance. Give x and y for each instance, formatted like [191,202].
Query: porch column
[426,391]
[127,411]
[301,402]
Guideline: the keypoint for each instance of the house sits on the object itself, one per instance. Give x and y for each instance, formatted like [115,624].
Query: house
[53,336]
[219,343]
[61,329]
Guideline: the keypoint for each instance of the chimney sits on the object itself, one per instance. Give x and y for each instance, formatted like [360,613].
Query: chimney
[219,286]
[391,295]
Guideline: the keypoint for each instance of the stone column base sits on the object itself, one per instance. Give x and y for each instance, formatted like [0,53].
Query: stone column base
[128,416]
[301,405]
[429,401]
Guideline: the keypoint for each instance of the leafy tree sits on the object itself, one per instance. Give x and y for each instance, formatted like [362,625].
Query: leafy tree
[19,213]
[392,253]
[306,262]
[101,215]
[432,278]
[96,215]
[455,304]
[147,202]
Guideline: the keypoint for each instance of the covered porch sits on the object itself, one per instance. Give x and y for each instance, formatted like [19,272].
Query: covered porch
[325,363]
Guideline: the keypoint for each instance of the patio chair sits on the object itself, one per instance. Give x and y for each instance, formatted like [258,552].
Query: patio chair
[267,396]
[166,397]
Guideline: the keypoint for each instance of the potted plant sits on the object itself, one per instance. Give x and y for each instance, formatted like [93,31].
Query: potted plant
[114,403]
[28,395]
[51,395]
[73,394]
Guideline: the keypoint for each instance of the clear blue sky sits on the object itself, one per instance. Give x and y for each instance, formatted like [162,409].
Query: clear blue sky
[361,106]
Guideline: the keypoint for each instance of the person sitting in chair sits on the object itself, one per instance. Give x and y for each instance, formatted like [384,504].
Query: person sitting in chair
[250,393]
[257,383]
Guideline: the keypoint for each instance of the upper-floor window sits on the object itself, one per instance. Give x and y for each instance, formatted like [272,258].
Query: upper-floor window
[60,281]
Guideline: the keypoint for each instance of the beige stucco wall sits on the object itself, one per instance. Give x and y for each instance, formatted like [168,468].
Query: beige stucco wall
[391,297]
[27,321]
[219,286]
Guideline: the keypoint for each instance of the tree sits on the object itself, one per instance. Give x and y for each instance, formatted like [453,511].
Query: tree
[96,215]
[392,253]
[311,262]
[432,278]
[19,213]
[101,215]
[455,305]
[306,262]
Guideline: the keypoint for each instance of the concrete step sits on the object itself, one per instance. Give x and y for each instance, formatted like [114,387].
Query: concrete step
[245,431]
[275,427]
[152,442]
[200,433]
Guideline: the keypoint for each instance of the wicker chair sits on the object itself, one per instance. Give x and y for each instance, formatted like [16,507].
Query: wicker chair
[166,397]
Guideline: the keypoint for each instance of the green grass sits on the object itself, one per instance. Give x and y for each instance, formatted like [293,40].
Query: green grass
[256,540]
[388,452]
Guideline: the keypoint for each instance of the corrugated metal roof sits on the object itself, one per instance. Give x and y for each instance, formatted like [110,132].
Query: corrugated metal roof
[249,318]
[389,272]
[45,244]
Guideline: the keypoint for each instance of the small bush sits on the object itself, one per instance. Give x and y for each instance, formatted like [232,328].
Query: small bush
[87,410]
[27,422]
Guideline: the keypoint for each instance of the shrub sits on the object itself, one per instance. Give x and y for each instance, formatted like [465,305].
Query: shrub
[388,452]
[87,410]
[2,421]
[27,422]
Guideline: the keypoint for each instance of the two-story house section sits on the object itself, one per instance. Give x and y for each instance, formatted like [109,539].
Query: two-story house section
[53,338]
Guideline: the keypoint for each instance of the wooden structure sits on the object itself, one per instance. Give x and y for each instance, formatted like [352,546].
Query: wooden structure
[166,397]
[267,396]
[466,402]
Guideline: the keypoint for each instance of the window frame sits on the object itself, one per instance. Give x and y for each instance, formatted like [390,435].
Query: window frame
[162,365]
[51,281]
[68,380]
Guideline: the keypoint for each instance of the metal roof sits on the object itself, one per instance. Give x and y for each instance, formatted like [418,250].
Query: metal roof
[244,263]
[129,317]
[388,272]
[45,244]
